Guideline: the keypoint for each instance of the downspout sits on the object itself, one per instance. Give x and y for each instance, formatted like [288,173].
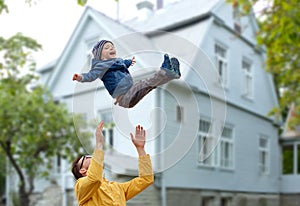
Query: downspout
[295,158]
[163,193]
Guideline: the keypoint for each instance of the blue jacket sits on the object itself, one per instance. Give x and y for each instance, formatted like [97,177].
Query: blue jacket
[114,74]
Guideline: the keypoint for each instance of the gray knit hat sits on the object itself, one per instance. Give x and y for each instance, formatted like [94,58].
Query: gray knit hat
[98,48]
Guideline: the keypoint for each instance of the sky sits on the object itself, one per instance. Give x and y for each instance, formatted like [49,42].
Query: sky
[51,22]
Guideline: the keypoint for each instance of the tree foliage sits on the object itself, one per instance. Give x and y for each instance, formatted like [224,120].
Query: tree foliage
[3,6]
[34,127]
[279,33]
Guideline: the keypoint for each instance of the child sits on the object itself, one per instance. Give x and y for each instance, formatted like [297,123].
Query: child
[117,80]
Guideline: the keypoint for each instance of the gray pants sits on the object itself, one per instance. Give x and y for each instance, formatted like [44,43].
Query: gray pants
[142,88]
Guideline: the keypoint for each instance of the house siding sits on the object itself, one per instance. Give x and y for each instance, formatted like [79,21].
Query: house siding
[185,180]
[192,197]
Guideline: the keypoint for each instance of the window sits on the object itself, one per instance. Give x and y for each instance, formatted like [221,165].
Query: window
[108,130]
[207,201]
[221,63]
[291,159]
[264,154]
[206,144]
[248,79]
[226,148]
[215,151]
[237,19]
[179,113]
[56,164]
[288,159]
[226,201]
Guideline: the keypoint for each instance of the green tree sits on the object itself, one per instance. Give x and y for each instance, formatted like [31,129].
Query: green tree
[34,128]
[279,34]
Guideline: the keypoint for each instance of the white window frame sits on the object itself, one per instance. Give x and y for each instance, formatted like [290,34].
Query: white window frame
[248,87]
[226,201]
[207,200]
[208,158]
[227,162]
[108,132]
[292,146]
[264,155]
[179,113]
[221,64]
[295,163]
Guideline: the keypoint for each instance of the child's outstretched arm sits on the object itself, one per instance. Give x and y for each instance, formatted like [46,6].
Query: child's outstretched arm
[97,71]
[92,75]
[99,68]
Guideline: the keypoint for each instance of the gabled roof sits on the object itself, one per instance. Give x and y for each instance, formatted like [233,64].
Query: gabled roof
[178,13]
[47,66]
[290,133]
[112,27]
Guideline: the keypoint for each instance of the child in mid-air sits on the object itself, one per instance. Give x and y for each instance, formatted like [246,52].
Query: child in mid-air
[117,80]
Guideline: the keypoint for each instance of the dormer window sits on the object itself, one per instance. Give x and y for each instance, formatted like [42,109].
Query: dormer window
[247,78]
[221,63]
[237,25]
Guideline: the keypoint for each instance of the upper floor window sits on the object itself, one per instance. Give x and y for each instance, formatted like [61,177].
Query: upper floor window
[247,79]
[206,144]
[226,148]
[264,154]
[221,63]
[237,25]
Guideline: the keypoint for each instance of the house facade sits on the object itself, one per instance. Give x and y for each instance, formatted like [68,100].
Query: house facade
[211,141]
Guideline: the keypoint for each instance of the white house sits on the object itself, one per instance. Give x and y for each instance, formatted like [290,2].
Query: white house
[210,138]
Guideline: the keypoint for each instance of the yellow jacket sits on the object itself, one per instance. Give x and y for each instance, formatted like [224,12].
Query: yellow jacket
[95,190]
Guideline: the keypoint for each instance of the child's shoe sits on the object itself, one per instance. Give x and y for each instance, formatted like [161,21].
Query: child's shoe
[167,63]
[175,67]
[171,67]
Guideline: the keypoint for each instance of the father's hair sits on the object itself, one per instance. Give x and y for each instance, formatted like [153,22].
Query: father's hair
[75,169]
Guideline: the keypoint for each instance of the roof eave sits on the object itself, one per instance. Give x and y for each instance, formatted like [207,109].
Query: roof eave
[178,25]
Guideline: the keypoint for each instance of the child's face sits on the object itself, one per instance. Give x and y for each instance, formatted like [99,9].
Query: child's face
[108,51]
